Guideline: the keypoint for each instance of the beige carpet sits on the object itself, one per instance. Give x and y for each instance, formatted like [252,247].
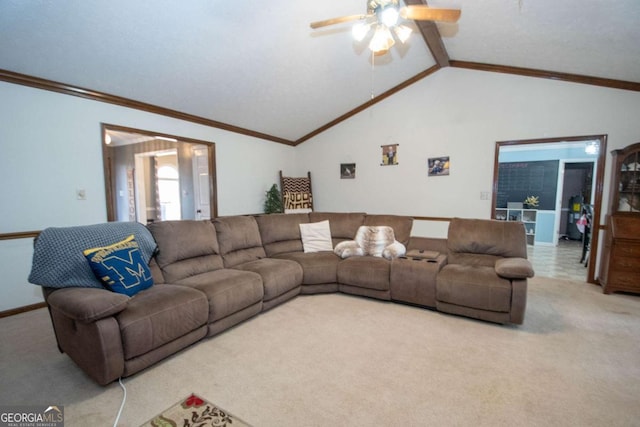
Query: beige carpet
[337,360]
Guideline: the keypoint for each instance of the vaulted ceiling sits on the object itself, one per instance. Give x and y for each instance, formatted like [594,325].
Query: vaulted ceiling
[256,67]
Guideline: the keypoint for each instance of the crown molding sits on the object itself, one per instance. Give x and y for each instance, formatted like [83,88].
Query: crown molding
[39,83]
[369,103]
[545,74]
[26,80]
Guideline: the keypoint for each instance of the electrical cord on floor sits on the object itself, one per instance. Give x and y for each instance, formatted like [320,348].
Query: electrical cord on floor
[124,399]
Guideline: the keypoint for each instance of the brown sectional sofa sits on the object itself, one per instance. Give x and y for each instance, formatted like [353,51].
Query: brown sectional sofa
[212,275]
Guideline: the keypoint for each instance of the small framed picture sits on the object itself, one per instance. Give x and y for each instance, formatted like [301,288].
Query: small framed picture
[389,155]
[438,166]
[347,170]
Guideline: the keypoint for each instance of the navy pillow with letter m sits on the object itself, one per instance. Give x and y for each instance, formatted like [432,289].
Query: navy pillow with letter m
[120,267]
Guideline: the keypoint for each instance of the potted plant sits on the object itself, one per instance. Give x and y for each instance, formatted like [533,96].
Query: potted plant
[532,202]
[273,201]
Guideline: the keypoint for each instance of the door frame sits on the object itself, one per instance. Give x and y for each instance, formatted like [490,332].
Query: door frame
[599,185]
[108,163]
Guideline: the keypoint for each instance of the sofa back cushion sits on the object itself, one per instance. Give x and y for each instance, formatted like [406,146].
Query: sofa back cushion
[481,241]
[280,233]
[343,225]
[185,248]
[239,239]
[401,225]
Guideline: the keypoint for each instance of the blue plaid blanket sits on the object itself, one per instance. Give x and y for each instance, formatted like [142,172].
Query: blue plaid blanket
[58,261]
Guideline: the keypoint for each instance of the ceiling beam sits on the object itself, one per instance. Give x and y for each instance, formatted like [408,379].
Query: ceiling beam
[431,36]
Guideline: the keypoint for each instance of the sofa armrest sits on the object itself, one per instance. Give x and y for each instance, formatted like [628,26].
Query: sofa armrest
[514,268]
[87,304]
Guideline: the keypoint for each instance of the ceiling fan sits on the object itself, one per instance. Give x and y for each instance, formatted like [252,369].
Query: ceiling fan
[383,15]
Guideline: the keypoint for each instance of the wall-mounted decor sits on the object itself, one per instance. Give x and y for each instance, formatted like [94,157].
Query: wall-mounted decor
[438,166]
[347,170]
[389,154]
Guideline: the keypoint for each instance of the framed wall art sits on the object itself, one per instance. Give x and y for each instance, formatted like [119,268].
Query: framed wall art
[438,166]
[389,154]
[347,170]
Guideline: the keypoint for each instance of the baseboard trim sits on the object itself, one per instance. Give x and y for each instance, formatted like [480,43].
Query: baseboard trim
[23,309]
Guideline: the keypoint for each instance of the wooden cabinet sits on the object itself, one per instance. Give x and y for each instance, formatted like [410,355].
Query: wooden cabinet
[620,265]
[620,262]
[625,183]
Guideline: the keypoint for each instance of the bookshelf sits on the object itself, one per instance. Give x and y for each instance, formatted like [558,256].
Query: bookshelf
[527,216]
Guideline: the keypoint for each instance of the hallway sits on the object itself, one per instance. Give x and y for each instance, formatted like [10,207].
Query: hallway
[561,262]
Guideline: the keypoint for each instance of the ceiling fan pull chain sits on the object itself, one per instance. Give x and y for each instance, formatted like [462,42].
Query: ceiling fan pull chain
[373,58]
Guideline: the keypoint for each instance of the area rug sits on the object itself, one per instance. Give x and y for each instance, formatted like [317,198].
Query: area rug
[194,411]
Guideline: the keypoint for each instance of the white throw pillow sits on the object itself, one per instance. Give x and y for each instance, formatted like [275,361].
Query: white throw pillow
[316,236]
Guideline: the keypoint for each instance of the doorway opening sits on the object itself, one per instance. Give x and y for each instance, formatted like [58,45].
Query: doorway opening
[538,168]
[577,195]
[151,176]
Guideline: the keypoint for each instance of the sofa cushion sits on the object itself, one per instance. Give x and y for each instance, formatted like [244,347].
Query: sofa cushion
[186,248]
[227,290]
[317,268]
[474,287]
[239,239]
[365,272]
[160,315]
[401,225]
[280,233]
[278,275]
[477,260]
[120,266]
[490,239]
[316,236]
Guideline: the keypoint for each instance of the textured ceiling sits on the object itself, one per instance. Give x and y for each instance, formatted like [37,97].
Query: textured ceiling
[257,65]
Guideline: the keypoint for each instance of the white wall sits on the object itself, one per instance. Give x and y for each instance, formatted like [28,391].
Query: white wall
[457,113]
[50,146]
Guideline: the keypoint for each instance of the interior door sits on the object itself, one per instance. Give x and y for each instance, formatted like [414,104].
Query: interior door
[201,182]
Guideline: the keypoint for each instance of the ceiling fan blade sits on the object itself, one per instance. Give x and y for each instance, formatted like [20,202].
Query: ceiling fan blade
[426,13]
[327,22]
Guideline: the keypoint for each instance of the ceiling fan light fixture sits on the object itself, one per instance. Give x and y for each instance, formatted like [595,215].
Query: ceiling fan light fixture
[402,32]
[360,30]
[382,40]
[389,16]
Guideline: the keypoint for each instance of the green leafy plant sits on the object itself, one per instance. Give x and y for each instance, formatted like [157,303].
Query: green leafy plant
[532,201]
[273,201]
